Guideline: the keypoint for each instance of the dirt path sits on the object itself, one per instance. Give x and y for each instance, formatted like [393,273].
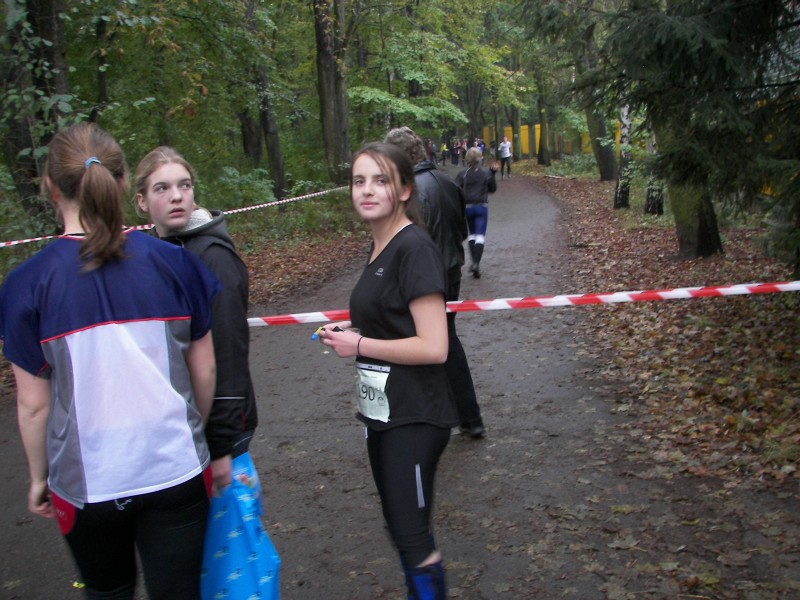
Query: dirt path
[556,502]
[321,500]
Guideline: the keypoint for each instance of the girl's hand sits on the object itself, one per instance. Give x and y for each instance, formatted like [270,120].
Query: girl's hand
[220,474]
[340,326]
[39,501]
[341,338]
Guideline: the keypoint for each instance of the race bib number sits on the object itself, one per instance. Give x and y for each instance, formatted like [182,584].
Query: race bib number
[371,396]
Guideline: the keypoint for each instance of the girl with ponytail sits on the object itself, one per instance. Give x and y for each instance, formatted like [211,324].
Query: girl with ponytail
[108,333]
[95,185]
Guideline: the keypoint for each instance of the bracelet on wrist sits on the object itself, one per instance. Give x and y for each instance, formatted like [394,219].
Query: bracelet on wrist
[358,346]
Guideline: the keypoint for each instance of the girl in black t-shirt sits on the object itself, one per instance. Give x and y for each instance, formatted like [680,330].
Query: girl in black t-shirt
[398,335]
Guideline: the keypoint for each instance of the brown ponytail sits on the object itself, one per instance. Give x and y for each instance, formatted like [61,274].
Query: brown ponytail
[88,166]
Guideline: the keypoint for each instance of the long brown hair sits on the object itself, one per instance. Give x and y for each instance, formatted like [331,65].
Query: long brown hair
[392,159]
[88,167]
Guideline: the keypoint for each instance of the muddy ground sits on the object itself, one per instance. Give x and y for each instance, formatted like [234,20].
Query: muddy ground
[556,501]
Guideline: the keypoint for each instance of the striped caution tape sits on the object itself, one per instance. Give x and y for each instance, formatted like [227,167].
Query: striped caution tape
[27,240]
[51,237]
[284,201]
[227,212]
[552,301]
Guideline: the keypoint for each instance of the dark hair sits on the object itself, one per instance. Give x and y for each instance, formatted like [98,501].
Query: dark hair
[393,160]
[99,186]
[410,142]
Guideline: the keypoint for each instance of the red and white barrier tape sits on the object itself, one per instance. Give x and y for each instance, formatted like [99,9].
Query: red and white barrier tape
[25,241]
[551,301]
[227,212]
[50,237]
[284,201]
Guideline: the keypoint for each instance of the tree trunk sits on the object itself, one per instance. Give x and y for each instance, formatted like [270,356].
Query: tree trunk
[695,221]
[102,81]
[623,191]
[332,86]
[543,153]
[543,156]
[654,200]
[48,22]
[46,71]
[471,101]
[251,137]
[269,126]
[602,146]
[496,123]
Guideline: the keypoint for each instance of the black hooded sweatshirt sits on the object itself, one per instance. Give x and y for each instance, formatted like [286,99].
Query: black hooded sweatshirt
[233,415]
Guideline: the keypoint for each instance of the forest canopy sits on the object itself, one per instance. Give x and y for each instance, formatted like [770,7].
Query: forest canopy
[268,99]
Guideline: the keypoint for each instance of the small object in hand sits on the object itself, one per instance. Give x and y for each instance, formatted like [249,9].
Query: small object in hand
[315,335]
[495,165]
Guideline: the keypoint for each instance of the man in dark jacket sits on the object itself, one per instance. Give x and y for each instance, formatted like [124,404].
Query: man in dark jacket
[443,210]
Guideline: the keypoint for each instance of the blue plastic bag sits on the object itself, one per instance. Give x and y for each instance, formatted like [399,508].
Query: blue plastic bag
[239,560]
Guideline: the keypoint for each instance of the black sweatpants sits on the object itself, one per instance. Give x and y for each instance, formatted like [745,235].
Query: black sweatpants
[166,527]
[457,368]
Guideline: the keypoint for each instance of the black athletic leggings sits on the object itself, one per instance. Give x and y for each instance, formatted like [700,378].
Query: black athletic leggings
[403,461]
[166,527]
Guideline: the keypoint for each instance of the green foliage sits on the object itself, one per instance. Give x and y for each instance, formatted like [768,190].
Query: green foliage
[427,66]
[331,213]
[716,76]
[580,165]
[715,80]
[182,74]
[236,190]
[16,224]
[428,111]
[30,99]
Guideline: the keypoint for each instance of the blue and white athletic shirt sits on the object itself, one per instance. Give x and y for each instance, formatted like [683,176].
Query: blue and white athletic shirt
[123,419]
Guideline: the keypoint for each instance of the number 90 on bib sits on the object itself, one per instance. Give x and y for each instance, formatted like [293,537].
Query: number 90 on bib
[371,396]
